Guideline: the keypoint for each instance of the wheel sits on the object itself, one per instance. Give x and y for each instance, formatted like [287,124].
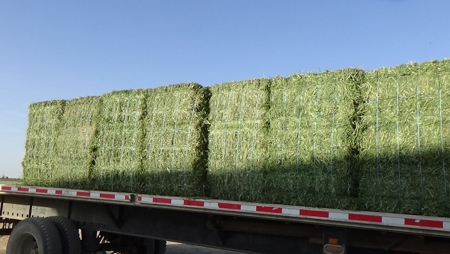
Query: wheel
[147,246]
[151,246]
[160,246]
[70,238]
[34,236]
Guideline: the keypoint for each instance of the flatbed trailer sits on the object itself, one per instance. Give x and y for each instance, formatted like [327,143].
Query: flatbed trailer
[139,223]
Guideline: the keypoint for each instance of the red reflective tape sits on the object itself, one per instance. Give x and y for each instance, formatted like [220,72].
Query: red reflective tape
[424,223]
[83,194]
[24,189]
[41,190]
[58,192]
[194,203]
[363,217]
[128,198]
[229,206]
[162,200]
[6,187]
[107,195]
[314,213]
[269,209]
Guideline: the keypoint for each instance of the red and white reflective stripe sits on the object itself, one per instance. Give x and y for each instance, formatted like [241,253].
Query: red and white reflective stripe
[382,219]
[397,220]
[68,193]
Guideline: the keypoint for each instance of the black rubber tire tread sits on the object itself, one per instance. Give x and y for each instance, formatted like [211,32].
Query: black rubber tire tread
[68,232]
[160,247]
[152,246]
[42,230]
[146,246]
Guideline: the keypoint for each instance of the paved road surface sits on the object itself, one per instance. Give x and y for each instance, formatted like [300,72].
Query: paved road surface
[172,248]
[176,248]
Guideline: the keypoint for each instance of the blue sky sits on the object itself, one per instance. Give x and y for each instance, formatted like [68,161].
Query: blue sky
[67,49]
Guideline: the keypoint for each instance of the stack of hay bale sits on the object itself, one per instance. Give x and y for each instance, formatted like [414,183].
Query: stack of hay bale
[310,139]
[237,140]
[284,140]
[346,139]
[73,156]
[42,134]
[147,141]
[174,144]
[405,146]
[118,141]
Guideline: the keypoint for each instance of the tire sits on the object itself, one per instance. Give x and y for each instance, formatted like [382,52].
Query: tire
[152,246]
[68,233]
[38,234]
[160,246]
[147,248]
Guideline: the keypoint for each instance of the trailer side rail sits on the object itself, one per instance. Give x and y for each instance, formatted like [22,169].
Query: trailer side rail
[390,222]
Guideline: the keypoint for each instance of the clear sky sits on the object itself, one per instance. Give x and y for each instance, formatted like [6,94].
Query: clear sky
[67,49]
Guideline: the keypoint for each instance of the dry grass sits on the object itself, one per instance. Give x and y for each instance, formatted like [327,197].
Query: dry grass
[10,181]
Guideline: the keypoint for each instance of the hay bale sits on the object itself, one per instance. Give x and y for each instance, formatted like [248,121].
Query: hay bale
[237,134]
[44,121]
[405,147]
[311,138]
[74,155]
[175,141]
[118,141]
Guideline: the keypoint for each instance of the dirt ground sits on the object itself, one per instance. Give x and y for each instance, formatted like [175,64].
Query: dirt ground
[177,248]
[172,248]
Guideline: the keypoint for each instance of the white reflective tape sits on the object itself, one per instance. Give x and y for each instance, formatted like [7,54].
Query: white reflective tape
[95,195]
[289,211]
[177,202]
[393,221]
[446,225]
[248,208]
[145,199]
[120,197]
[69,193]
[211,205]
[338,216]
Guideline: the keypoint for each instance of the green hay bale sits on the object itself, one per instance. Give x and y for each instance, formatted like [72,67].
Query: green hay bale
[310,138]
[237,133]
[174,158]
[118,142]
[73,157]
[44,120]
[406,148]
